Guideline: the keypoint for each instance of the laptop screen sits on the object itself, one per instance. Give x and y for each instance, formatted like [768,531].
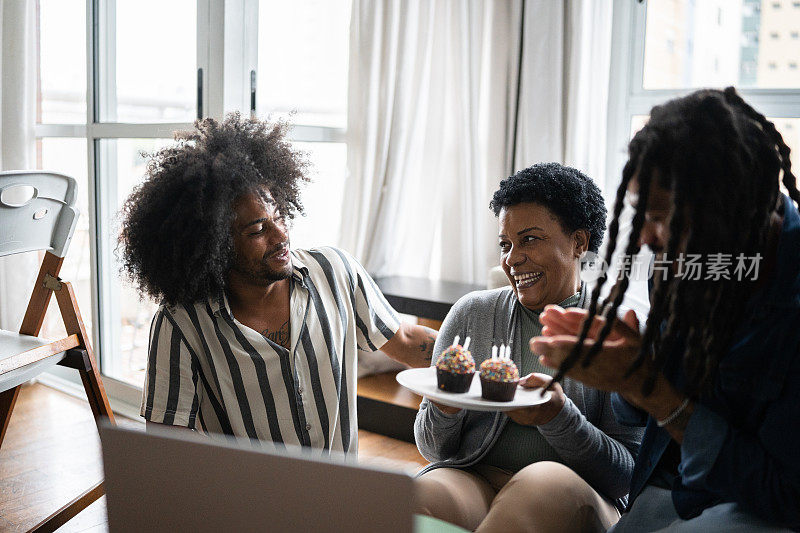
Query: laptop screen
[170,481]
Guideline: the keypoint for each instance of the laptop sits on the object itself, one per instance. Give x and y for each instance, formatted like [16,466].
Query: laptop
[170,481]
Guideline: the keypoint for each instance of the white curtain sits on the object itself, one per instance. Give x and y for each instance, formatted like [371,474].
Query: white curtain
[564,103]
[564,89]
[17,148]
[431,101]
[435,123]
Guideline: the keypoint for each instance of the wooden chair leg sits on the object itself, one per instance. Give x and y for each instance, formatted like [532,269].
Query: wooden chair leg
[96,394]
[92,383]
[7,400]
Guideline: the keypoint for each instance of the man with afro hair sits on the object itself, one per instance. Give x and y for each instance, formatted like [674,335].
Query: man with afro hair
[253,339]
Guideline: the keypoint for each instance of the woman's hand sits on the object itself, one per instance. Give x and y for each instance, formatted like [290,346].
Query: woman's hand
[608,367]
[544,412]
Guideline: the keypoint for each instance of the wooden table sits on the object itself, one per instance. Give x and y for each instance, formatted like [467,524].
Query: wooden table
[427,299]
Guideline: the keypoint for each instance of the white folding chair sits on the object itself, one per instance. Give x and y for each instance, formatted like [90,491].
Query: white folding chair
[37,212]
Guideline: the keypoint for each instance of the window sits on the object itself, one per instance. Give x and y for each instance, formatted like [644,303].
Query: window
[61,98]
[154,79]
[310,87]
[683,38]
[741,51]
[68,156]
[152,68]
[61,91]
[312,81]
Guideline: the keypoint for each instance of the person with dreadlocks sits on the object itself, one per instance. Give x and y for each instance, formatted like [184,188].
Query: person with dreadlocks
[253,339]
[561,466]
[715,375]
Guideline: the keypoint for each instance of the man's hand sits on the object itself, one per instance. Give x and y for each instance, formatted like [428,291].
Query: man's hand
[542,413]
[412,345]
[607,370]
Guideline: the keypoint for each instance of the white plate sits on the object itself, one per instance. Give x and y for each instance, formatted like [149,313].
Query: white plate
[423,382]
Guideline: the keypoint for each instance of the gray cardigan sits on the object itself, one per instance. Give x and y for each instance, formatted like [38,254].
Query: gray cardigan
[585,434]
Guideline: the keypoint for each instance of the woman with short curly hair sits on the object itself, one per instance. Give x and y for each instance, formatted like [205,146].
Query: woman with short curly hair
[564,465]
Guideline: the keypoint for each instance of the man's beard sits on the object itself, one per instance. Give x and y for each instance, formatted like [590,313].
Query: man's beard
[260,273]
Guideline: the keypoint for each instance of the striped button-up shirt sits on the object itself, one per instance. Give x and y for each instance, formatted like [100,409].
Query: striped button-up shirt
[208,371]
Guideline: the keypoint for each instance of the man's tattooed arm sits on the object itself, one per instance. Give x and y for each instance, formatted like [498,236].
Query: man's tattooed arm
[426,346]
[279,336]
[412,345]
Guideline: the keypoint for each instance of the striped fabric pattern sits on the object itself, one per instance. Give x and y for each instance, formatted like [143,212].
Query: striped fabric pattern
[209,372]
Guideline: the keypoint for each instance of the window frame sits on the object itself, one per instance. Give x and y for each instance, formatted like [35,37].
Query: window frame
[227,51]
[628,98]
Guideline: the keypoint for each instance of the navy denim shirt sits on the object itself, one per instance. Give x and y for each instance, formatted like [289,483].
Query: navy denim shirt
[742,442]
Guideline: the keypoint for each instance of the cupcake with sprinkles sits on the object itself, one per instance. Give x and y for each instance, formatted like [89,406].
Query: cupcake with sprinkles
[499,376]
[455,368]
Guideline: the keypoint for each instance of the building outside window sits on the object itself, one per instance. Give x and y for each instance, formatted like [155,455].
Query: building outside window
[710,51]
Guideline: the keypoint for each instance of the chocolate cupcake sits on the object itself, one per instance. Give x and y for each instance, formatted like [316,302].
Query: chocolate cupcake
[499,379]
[455,369]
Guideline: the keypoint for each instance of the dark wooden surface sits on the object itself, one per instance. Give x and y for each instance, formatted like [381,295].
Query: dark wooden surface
[423,297]
[386,407]
[51,454]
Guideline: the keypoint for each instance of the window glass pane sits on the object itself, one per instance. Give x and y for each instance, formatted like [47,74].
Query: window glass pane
[155,63]
[712,43]
[322,198]
[124,162]
[68,156]
[302,60]
[61,29]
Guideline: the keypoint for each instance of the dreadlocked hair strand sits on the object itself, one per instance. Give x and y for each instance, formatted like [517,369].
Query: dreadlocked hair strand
[644,178]
[613,233]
